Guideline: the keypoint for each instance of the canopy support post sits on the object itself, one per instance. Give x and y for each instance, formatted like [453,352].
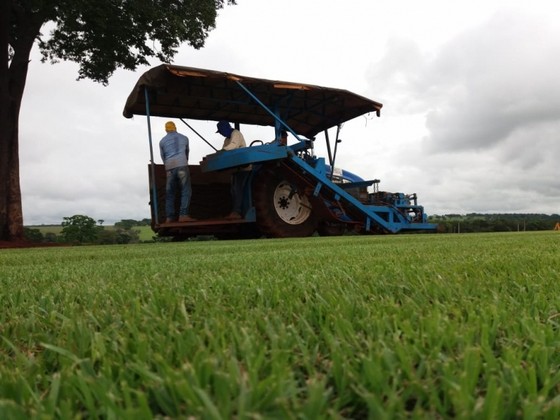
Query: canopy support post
[196,132]
[154,201]
[329,152]
[336,141]
[267,109]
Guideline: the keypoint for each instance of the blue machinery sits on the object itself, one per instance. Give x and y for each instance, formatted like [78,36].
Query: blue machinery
[394,212]
[340,201]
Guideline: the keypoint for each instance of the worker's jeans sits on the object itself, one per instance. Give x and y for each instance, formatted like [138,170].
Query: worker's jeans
[238,195]
[178,178]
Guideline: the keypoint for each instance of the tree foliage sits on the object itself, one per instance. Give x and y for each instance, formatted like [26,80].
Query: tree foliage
[100,36]
[33,235]
[118,236]
[103,35]
[130,223]
[79,229]
[501,222]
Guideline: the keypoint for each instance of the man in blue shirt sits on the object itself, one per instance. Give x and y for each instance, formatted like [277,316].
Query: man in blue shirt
[174,151]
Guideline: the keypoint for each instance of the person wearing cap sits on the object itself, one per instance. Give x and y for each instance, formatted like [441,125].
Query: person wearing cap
[235,140]
[174,151]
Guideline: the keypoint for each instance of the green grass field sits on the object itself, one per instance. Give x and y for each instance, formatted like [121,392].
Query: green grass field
[423,326]
[146,233]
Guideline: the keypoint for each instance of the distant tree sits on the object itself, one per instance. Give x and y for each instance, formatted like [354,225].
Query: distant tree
[33,235]
[100,36]
[101,221]
[51,237]
[79,229]
[128,236]
[106,237]
[118,236]
[126,223]
[477,222]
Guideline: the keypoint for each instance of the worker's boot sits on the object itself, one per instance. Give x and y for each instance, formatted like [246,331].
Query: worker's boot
[233,216]
[186,218]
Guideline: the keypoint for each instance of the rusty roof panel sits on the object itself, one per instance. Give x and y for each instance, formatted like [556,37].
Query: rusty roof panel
[187,92]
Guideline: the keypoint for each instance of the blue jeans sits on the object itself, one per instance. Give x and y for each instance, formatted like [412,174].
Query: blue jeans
[178,178]
[238,186]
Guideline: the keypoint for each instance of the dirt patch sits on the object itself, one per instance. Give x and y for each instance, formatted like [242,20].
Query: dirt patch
[27,244]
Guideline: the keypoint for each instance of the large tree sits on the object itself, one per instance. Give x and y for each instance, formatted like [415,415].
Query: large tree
[79,229]
[99,35]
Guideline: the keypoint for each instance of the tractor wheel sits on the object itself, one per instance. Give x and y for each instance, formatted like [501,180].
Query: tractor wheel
[282,209]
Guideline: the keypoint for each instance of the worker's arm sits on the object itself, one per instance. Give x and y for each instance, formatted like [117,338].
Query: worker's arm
[236,141]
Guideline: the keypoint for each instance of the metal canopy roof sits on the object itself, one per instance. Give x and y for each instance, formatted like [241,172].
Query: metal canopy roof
[187,92]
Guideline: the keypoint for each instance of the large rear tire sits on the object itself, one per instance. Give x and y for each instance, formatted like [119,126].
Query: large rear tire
[282,208]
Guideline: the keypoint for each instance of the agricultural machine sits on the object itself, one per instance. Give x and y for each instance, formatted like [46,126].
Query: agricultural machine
[290,192]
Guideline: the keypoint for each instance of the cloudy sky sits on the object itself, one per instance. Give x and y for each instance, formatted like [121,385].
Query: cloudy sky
[471,95]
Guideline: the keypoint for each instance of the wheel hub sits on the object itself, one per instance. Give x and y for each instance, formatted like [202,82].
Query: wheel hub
[284,202]
[290,206]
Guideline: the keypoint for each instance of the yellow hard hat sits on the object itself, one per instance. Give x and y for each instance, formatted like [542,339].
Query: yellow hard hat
[170,126]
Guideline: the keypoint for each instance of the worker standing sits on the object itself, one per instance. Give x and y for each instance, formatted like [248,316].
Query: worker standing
[174,151]
[235,140]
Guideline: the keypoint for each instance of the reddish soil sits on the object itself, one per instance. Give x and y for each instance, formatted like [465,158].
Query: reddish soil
[26,244]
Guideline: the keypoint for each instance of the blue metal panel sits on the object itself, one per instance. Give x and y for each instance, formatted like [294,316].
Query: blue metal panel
[317,189]
[419,226]
[346,175]
[251,215]
[242,157]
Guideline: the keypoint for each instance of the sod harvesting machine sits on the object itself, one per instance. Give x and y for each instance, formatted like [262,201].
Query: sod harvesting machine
[290,192]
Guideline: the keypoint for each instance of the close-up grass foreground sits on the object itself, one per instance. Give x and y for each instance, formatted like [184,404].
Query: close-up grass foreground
[424,326]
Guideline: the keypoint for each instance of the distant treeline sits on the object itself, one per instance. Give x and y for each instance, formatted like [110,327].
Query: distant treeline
[501,222]
[130,223]
[80,229]
[83,229]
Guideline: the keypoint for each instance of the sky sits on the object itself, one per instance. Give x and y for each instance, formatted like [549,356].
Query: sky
[470,93]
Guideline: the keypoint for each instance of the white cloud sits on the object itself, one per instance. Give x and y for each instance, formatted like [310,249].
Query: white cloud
[491,104]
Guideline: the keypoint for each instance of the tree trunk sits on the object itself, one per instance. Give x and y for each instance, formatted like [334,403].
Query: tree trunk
[12,83]
[4,105]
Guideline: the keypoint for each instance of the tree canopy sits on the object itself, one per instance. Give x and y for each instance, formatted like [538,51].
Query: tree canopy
[79,229]
[103,35]
[100,36]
